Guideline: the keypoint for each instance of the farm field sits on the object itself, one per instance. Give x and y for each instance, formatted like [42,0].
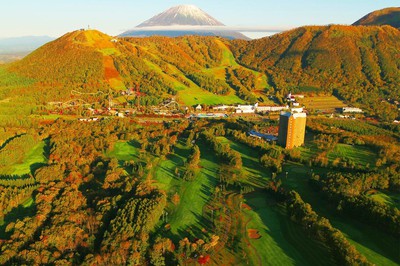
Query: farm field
[321,103]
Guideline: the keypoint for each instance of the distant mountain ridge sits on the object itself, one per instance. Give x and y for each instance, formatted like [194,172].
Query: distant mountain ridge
[22,44]
[388,16]
[183,15]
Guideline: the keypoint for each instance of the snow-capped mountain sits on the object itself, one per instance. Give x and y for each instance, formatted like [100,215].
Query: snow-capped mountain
[182,15]
[182,20]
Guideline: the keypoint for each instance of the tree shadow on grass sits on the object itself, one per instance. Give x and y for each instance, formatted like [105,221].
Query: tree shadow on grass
[20,213]
[35,166]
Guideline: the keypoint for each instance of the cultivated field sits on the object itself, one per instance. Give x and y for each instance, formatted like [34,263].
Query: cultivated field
[321,103]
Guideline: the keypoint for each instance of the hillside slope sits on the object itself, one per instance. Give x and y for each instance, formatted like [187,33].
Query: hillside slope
[194,69]
[361,64]
[388,16]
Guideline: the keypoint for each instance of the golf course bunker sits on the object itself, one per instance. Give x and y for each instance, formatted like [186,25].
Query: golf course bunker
[253,234]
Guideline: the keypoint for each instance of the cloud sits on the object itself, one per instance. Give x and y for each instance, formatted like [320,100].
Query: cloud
[213,28]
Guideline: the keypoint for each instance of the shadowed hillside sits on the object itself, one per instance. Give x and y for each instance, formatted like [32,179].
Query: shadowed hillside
[388,16]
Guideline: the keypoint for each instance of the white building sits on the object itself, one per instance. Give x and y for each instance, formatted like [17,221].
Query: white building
[297,110]
[352,110]
[223,107]
[264,109]
[246,109]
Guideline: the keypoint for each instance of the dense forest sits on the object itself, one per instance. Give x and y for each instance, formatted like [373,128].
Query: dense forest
[93,203]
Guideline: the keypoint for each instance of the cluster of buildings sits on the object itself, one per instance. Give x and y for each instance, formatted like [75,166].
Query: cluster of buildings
[291,98]
[247,109]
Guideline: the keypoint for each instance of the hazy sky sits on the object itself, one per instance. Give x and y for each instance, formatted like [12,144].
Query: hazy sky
[56,17]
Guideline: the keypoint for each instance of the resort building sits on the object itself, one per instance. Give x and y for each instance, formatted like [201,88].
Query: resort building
[292,129]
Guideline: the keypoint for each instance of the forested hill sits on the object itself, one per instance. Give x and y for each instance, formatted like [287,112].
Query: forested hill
[387,16]
[189,66]
[74,58]
[360,64]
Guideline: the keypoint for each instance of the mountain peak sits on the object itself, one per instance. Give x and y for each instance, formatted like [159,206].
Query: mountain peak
[182,15]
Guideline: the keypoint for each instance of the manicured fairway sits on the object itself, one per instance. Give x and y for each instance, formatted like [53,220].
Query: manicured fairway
[282,242]
[358,154]
[195,194]
[33,158]
[377,246]
[165,176]
[389,198]
[255,174]
[309,150]
[124,151]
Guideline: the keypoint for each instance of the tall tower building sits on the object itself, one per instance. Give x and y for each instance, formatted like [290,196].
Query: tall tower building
[292,129]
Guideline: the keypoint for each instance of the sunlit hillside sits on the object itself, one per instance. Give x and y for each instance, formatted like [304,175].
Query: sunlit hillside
[347,61]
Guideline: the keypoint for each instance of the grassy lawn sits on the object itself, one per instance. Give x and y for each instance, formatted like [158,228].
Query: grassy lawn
[359,154]
[26,208]
[33,159]
[165,176]
[194,195]
[378,247]
[227,57]
[255,174]
[309,150]
[54,117]
[196,95]
[388,198]
[282,242]
[124,151]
